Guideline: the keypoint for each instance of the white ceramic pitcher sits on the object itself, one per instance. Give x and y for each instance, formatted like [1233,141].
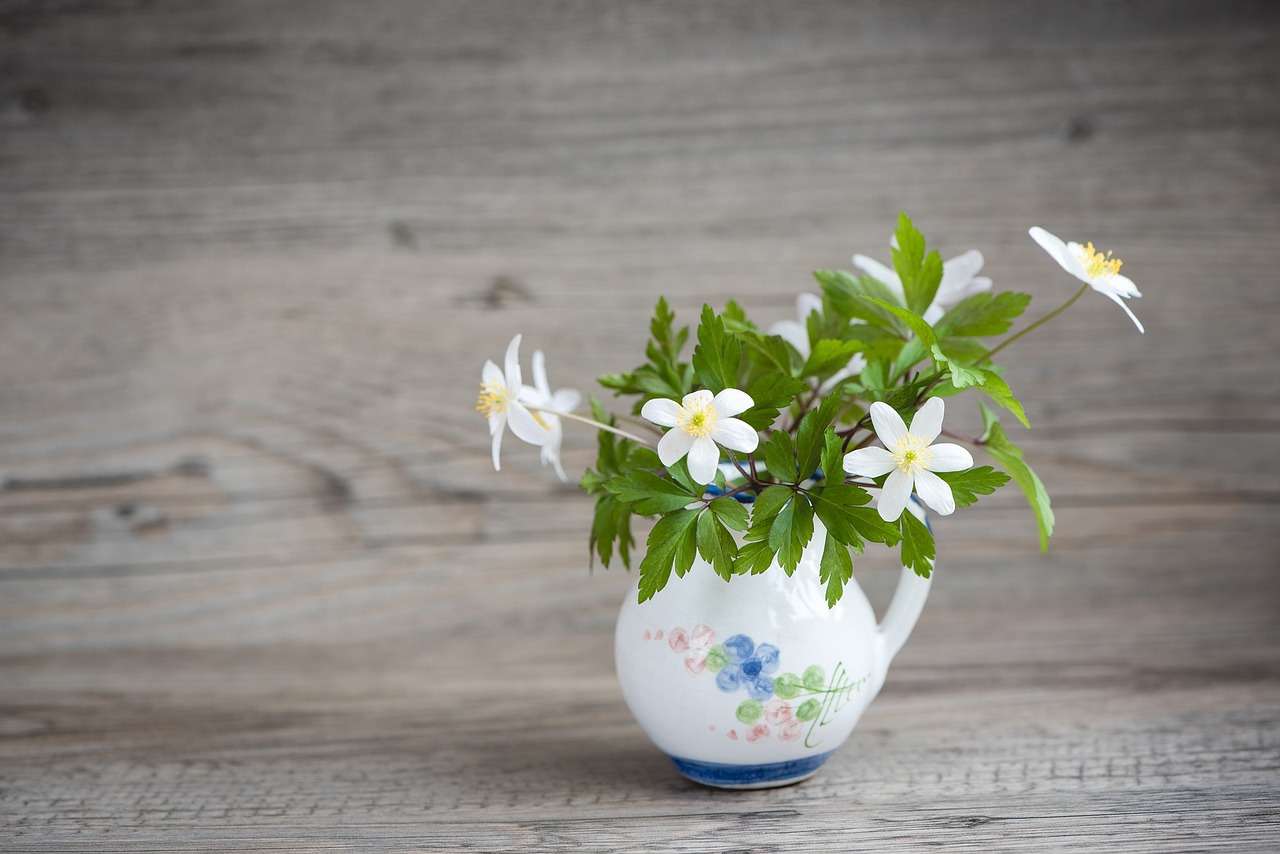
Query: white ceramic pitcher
[755,682]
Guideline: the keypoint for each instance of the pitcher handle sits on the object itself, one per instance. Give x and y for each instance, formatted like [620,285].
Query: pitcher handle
[906,605]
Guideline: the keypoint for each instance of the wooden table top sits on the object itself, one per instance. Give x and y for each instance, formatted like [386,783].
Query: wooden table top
[260,588]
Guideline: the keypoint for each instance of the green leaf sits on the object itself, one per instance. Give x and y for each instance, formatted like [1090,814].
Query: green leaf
[791,531]
[917,545]
[983,314]
[650,494]
[835,570]
[1009,455]
[770,351]
[839,506]
[867,522]
[845,293]
[715,359]
[754,557]
[829,356]
[967,485]
[809,436]
[833,457]
[914,322]
[771,393]
[716,545]
[610,526]
[988,380]
[767,505]
[671,544]
[780,457]
[730,512]
[920,272]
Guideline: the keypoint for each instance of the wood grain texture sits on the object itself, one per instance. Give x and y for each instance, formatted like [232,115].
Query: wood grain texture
[259,587]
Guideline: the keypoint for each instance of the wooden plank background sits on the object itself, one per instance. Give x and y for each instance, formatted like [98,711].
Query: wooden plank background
[259,587]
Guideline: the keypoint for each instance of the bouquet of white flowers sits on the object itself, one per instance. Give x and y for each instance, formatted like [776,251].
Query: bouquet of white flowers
[762,430]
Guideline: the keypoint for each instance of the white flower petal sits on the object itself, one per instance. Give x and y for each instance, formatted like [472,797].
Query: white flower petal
[1124,286]
[673,445]
[894,495]
[888,423]
[1054,245]
[949,457]
[704,456]
[794,334]
[935,492]
[566,400]
[927,422]
[731,401]
[497,423]
[497,442]
[958,273]
[807,304]
[525,426]
[869,462]
[663,412]
[1120,302]
[540,375]
[513,364]
[491,375]
[736,435]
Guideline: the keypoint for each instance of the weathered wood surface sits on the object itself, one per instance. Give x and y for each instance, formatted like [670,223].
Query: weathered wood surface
[259,588]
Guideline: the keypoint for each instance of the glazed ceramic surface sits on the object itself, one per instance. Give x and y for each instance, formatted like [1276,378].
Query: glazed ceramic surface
[755,682]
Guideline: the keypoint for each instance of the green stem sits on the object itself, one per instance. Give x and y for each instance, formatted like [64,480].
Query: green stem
[1041,322]
[596,424]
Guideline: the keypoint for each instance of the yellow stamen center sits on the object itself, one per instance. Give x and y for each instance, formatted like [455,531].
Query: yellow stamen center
[911,453]
[698,420]
[1097,265]
[493,399]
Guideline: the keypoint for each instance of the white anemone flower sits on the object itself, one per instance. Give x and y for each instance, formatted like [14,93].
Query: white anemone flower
[698,423]
[546,405]
[960,280]
[500,403]
[910,459]
[1098,271]
[796,333]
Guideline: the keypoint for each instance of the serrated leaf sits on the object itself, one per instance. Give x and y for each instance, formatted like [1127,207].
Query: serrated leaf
[835,569]
[768,504]
[835,505]
[844,292]
[919,271]
[828,356]
[731,513]
[832,457]
[989,381]
[673,538]
[914,322]
[780,457]
[983,314]
[809,435]
[649,494]
[771,392]
[967,485]
[716,545]
[770,351]
[917,545]
[754,557]
[1009,455]
[867,522]
[715,359]
[791,531]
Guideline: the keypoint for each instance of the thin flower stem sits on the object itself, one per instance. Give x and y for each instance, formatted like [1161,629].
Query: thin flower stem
[1041,322]
[596,424]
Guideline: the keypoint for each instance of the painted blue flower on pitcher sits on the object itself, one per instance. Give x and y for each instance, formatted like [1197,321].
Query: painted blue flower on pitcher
[746,666]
